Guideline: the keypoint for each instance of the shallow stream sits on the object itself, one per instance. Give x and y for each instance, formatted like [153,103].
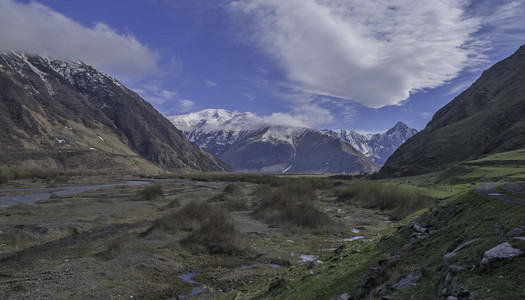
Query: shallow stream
[35,195]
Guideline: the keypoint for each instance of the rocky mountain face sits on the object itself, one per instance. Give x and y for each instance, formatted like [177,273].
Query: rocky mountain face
[248,144]
[487,118]
[378,146]
[58,114]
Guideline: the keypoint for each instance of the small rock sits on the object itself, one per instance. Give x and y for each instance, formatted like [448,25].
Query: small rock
[276,284]
[463,294]
[344,296]
[420,229]
[313,263]
[514,232]
[447,259]
[498,256]
[456,269]
[410,279]
[452,298]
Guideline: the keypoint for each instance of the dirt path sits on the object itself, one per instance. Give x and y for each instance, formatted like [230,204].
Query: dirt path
[490,189]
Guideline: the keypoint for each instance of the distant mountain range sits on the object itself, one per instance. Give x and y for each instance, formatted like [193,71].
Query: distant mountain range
[248,144]
[58,114]
[487,118]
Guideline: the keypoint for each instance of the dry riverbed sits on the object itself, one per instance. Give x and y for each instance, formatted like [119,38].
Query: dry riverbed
[102,243]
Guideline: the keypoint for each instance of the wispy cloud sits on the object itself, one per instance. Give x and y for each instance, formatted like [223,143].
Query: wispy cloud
[373,52]
[154,93]
[210,83]
[186,105]
[34,28]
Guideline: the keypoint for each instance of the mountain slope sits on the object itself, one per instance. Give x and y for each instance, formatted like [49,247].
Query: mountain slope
[67,115]
[248,144]
[487,118]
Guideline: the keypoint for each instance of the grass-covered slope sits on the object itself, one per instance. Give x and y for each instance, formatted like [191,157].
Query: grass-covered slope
[486,118]
[374,267]
[464,222]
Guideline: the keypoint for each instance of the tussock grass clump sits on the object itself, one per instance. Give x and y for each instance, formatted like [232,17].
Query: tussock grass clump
[152,192]
[400,201]
[232,198]
[212,230]
[233,189]
[121,243]
[61,179]
[293,204]
[216,234]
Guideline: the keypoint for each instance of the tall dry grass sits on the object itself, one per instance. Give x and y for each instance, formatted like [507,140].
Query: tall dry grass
[294,204]
[398,201]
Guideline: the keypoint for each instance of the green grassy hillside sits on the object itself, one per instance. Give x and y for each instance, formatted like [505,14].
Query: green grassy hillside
[414,248]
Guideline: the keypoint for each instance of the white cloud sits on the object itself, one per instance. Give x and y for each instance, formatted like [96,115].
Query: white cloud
[210,83]
[186,105]
[154,93]
[458,88]
[35,28]
[426,115]
[373,52]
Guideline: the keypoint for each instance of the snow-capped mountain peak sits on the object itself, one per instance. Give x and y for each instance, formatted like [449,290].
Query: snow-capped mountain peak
[220,131]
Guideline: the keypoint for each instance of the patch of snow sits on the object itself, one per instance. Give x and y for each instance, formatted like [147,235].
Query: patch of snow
[93,149]
[60,141]
[307,258]
[355,230]
[353,238]
[41,74]
[102,139]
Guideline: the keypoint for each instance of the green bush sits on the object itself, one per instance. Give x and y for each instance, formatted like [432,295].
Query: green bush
[399,201]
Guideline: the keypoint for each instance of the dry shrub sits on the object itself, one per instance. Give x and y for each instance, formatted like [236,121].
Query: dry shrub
[117,246]
[152,192]
[232,188]
[399,201]
[293,204]
[232,198]
[211,229]
[61,179]
[236,203]
[217,234]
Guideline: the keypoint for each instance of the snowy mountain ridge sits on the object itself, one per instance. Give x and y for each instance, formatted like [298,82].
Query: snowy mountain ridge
[217,129]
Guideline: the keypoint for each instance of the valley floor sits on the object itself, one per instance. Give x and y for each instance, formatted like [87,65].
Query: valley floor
[256,236]
[100,243]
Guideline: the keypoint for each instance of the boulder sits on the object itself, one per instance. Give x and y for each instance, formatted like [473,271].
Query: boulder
[344,296]
[410,279]
[514,232]
[498,256]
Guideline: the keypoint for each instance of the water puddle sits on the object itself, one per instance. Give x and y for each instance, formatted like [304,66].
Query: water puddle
[258,265]
[199,288]
[45,193]
[188,278]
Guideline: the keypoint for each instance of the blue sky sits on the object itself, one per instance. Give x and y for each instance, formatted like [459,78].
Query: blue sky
[340,64]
